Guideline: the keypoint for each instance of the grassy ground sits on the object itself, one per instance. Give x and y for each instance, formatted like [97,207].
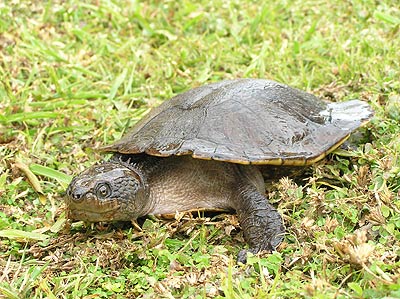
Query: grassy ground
[75,75]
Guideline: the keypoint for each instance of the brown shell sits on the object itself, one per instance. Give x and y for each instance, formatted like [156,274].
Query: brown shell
[246,121]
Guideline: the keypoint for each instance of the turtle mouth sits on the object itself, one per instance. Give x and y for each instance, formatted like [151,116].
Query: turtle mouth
[93,210]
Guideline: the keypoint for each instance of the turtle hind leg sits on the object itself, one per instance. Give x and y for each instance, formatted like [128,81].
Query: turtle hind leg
[261,223]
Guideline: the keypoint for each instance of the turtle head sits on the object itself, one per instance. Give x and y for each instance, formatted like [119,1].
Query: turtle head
[108,191]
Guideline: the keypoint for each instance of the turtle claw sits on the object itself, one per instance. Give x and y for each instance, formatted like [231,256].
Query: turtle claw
[242,256]
[270,246]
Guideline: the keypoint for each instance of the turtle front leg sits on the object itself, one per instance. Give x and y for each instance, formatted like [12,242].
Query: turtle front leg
[261,223]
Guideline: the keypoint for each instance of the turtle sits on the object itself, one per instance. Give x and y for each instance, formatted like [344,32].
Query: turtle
[208,149]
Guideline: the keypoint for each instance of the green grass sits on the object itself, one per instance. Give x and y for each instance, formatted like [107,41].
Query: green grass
[75,75]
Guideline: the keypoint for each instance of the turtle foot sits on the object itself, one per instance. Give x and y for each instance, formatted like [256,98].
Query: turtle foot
[269,246]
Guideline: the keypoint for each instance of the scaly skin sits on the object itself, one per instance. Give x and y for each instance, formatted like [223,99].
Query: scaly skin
[128,187]
[261,223]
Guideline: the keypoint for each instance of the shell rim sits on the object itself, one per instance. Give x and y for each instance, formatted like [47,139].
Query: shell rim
[275,162]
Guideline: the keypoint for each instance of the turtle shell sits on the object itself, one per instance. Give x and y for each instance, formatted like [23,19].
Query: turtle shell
[246,121]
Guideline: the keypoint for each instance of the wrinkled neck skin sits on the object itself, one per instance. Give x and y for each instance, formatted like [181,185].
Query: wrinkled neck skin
[113,190]
[147,168]
[143,164]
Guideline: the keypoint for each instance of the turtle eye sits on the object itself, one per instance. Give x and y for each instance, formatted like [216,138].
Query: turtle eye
[103,190]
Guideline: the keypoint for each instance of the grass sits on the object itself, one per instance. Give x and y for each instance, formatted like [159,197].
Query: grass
[74,75]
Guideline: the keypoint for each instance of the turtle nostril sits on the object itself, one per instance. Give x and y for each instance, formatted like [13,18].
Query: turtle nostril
[77,194]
